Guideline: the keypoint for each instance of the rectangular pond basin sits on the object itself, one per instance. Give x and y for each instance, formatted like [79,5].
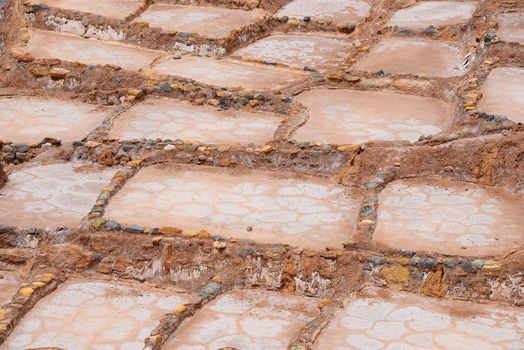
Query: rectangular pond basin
[86,314]
[228,73]
[206,21]
[247,320]
[503,94]
[30,119]
[511,27]
[51,195]
[108,8]
[353,116]
[433,13]
[73,48]
[339,12]
[173,119]
[259,205]
[387,319]
[298,50]
[429,58]
[449,217]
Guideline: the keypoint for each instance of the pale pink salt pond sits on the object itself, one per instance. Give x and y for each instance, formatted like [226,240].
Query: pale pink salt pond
[511,27]
[386,319]
[206,21]
[503,93]
[421,57]
[228,73]
[31,119]
[449,217]
[73,48]
[353,116]
[433,13]
[338,11]
[279,208]
[84,314]
[247,320]
[172,119]
[51,195]
[106,8]
[298,50]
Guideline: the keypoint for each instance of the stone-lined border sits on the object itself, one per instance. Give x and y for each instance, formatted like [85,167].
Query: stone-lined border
[170,322]
[27,296]
[17,153]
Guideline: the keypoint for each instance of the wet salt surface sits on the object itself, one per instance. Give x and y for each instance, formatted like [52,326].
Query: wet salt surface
[298,50]
[228,73]
[511,27]
[247,320]
[389,320]
[414,56]
[352,116]
[338,11]
[307,212]
[51,195]
[206,21]
[85,315]
[9,285]
[106,8]
[171,119]
[72,48]
[503,93]
[449,217]
[433,13]
[29,120]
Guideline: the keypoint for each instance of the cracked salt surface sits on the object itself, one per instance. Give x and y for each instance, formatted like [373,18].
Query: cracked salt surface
[449,217]
[307,212]
[85,315]
[391,320]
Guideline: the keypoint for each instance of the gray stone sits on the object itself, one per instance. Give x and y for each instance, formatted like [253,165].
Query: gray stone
[431,30]
[407,252]
[427,263]
[166,87]
[112,225]
[22,148]
[414,261]
[134,228]
[5,228]
[21,156]
[38,7]
[376,260]
[478,263]
[450,263]
[104,197]
[367,209]
[209,289]
[489,37]
[370,185]
[467,266]
[127,147]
